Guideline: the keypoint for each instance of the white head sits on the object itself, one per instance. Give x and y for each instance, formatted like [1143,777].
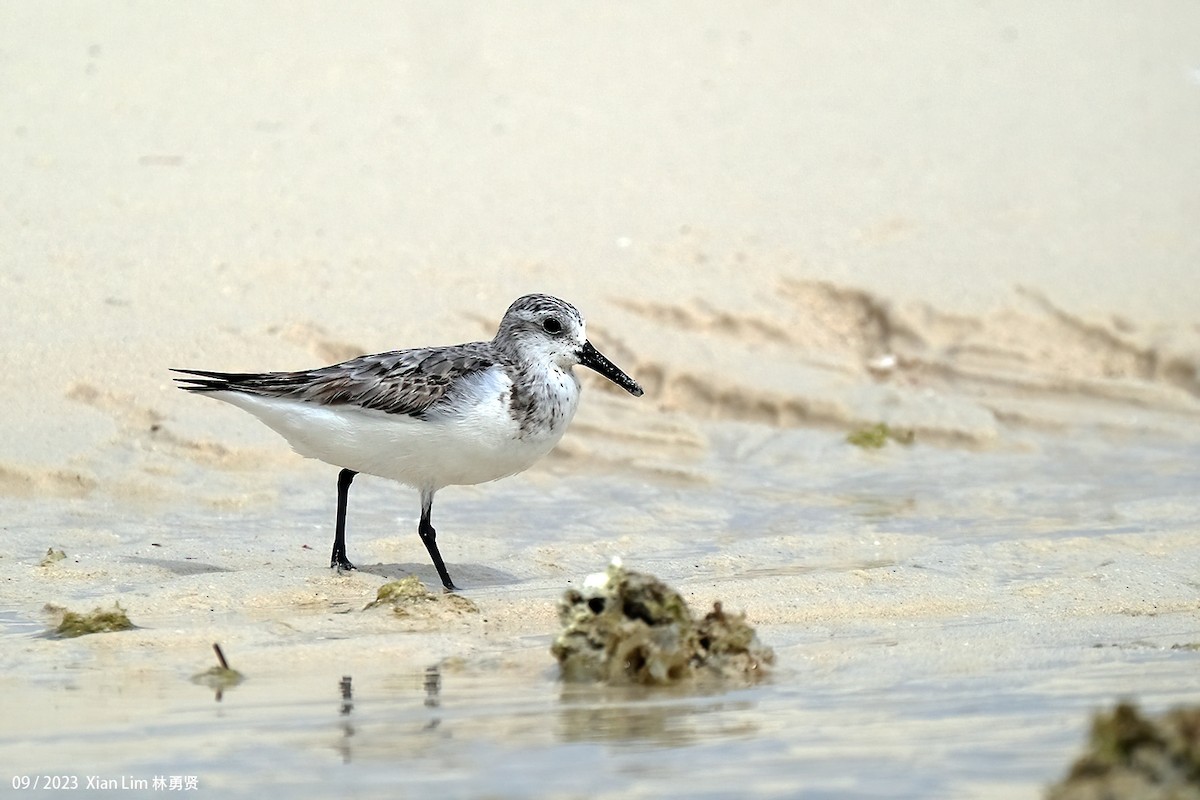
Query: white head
[541,328]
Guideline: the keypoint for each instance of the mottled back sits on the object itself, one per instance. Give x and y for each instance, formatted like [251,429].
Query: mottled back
[397,382]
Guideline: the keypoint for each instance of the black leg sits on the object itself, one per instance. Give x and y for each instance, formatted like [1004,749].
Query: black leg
[339,560]
[429,537]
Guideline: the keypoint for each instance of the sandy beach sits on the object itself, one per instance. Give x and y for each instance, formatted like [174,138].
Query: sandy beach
[977,225]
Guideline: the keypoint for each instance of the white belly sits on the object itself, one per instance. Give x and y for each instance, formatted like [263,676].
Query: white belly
[478,441]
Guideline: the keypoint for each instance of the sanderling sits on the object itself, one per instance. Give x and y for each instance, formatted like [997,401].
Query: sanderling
[434,416]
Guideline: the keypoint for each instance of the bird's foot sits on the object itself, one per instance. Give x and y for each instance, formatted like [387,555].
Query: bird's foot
[341,564]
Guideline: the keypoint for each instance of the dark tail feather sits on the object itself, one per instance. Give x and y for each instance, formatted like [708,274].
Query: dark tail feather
[213,381]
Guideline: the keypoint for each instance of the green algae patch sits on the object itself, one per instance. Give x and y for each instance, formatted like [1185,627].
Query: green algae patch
[409,596]
[875,436]
[404,591]
[52,557]
[1136,757]
[99,620]
[219,678]
[625,627]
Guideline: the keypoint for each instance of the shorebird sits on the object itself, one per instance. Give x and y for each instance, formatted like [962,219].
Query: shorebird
[429,417]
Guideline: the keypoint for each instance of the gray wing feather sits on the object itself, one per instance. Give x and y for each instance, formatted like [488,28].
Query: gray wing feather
[397,382]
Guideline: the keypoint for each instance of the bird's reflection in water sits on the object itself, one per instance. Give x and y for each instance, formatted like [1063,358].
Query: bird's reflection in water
[347,726]
[433,689]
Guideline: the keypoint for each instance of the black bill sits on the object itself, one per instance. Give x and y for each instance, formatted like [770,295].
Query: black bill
[592,358]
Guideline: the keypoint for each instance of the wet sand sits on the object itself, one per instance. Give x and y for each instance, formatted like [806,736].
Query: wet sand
[786,223]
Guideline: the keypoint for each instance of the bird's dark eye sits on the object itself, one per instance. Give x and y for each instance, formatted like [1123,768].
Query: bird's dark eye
[552,326]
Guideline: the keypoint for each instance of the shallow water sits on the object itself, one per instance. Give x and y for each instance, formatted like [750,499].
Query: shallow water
[474,734]
[945,621]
